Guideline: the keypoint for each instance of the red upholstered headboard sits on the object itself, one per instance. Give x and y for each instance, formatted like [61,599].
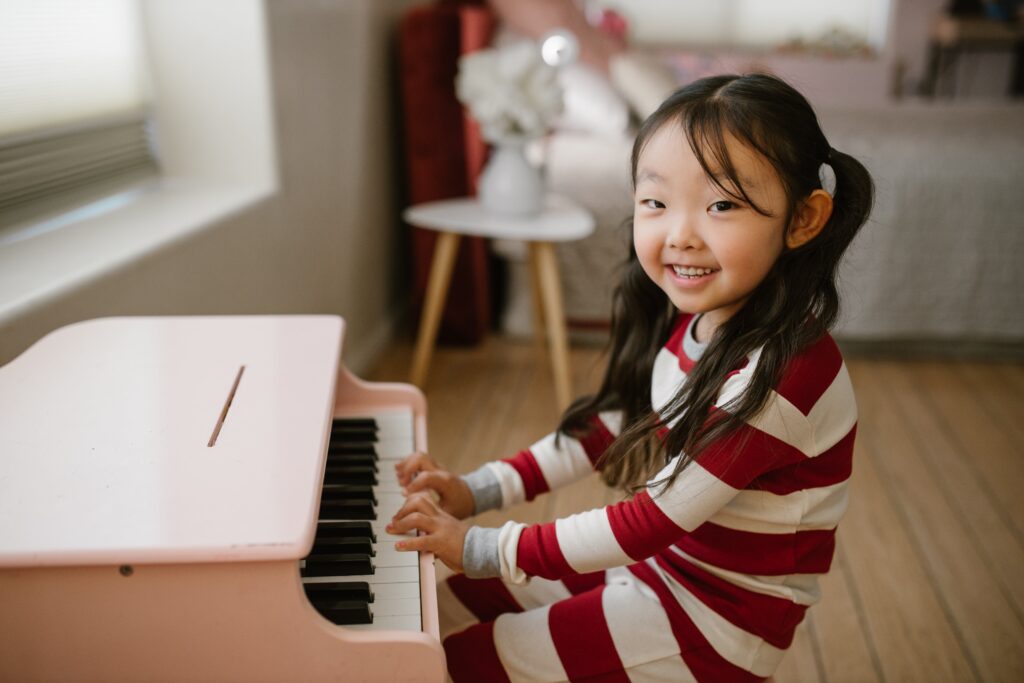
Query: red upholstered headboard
[444,151]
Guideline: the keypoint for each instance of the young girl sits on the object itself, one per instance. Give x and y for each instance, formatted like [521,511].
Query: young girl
[726,409]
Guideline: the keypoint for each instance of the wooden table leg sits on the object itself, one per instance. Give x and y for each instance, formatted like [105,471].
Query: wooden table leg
[445,249]
[543,257]
[539,332]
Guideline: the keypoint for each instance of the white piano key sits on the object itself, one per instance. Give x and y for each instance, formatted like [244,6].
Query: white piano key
[393,452]
[388,503]
[387,556]
[384,535]
[387,479]
[396,591]
[397,623]
[385,607]
[394,420]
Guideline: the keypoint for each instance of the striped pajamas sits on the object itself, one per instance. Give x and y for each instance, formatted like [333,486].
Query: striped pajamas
[706,580]
[604,626]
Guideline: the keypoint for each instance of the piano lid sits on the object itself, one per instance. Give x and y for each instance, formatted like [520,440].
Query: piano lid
[105,428]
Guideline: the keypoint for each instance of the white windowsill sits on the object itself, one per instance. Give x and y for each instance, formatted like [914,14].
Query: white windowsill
[45,266]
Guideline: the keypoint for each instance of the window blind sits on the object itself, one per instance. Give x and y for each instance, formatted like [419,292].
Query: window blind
[73,103]
[753,24]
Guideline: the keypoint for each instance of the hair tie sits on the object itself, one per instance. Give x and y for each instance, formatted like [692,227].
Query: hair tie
[827,178]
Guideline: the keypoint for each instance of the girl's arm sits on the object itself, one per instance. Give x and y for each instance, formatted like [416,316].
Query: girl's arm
[612,536]
[598,539]
[620,534]
[546,465]
[552,462]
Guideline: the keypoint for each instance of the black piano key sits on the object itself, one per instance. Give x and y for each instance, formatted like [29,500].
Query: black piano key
[353,460]
[348,508]
[338,564]
[358,591]
[353,445]
[354,423]
[370,430]
[345,612]
[330,546]
[346,491]
[345,529]
[363,439]
[352,448]
[350,474]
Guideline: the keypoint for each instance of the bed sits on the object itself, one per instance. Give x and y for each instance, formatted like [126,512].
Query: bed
[939,260]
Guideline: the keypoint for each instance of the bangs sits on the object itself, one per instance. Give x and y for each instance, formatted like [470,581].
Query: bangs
[706,124]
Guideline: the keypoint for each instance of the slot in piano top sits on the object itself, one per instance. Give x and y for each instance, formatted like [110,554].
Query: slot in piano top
[104,433]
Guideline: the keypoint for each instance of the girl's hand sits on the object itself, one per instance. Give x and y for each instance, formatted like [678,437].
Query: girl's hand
[419,473]
[441,533]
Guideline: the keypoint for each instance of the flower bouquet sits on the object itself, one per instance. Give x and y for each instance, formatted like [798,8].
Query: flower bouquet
[511,91]
[515,97]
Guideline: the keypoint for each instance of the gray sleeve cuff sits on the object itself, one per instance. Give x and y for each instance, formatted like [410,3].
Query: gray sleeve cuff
[486,490]
[480,553]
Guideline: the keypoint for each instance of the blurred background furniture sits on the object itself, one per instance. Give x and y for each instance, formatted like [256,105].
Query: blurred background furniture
[559,221]
[951,36]
[444,152]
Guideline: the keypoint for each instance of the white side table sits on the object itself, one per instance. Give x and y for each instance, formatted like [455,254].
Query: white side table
[559,221]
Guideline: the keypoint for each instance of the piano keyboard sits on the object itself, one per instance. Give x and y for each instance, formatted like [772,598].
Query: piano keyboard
[353,575]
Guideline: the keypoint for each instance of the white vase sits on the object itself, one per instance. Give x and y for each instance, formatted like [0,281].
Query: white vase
[509,184]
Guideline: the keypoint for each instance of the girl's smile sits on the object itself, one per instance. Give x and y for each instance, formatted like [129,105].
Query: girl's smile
[691,276]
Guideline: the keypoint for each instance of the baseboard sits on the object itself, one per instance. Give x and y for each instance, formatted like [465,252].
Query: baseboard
[943,349]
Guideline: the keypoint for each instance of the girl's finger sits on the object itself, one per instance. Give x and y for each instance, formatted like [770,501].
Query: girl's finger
[424,480]
[423,543]
[413,520]
[407,468]
[410,466]
[417,502]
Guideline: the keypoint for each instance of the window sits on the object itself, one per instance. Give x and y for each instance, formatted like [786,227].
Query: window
[73,104]
[754,24]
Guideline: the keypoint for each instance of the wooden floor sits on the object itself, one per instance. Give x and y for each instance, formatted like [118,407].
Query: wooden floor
[928,578]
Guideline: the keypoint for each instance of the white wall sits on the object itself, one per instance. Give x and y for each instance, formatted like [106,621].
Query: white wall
[326,241]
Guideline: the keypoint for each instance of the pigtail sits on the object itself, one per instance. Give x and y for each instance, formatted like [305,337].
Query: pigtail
[851,204]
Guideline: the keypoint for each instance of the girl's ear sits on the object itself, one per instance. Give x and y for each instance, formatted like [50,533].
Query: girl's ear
[811,216]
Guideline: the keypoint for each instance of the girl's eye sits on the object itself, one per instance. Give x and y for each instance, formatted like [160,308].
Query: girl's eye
[651,204]
[723,205]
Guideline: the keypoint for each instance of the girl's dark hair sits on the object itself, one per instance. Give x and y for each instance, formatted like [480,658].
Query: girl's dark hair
[795,305]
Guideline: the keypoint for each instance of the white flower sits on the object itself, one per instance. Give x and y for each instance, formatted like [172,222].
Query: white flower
[511,92]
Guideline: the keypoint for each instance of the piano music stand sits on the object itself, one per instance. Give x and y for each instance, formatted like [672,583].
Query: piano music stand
[559,221]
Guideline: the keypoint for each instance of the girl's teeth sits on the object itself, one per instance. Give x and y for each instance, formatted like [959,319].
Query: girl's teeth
[691,272]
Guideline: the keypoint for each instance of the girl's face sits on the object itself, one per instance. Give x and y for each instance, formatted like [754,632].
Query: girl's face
[705,249]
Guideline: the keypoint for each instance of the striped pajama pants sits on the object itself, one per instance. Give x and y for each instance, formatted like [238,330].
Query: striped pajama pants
[603,627]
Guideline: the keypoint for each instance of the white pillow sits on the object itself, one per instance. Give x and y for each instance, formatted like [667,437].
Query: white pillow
[591,103]
[643,79]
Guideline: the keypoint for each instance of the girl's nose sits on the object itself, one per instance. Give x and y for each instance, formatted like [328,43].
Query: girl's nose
[683,235]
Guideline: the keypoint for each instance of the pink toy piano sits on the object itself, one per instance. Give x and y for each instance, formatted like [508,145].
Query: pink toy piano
[204,498]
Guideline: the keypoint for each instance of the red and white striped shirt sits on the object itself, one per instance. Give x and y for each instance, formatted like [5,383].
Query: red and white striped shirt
[740,538]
